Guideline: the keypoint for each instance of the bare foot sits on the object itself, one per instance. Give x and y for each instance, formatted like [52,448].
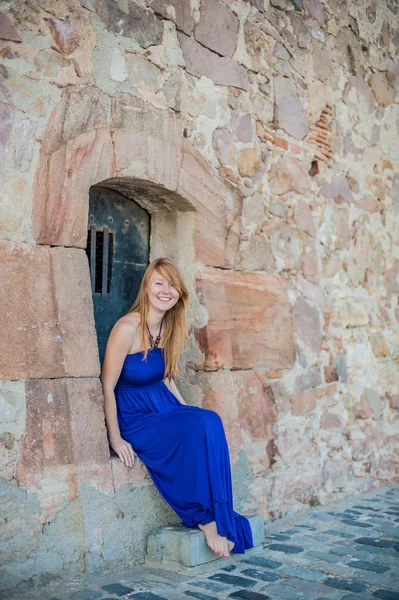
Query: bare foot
[230,545]
[217,543]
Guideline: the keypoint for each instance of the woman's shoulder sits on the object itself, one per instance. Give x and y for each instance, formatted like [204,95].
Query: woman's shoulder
[129,323]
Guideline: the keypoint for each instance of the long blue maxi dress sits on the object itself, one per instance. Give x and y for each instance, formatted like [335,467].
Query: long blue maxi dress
[183,447]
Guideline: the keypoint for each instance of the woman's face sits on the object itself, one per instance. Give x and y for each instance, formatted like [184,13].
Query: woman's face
[161,293]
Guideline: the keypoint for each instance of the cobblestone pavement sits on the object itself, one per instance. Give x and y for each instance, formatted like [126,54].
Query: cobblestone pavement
[345,551]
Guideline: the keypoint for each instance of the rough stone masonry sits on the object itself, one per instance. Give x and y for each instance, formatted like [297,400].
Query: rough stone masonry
[262,137]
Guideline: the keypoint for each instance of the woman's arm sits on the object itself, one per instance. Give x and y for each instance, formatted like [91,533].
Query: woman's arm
[170,384]
[119,344]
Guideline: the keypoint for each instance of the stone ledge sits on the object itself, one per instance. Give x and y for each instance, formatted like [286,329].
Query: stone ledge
[185,550]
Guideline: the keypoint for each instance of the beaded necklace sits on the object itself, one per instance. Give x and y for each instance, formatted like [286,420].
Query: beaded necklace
[155,343]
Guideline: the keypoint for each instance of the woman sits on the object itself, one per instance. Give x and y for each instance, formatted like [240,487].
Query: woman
[184,447]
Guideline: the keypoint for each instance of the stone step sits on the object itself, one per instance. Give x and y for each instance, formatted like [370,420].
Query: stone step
[185,550]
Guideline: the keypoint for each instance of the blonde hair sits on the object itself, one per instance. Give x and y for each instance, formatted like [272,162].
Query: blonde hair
[174,328]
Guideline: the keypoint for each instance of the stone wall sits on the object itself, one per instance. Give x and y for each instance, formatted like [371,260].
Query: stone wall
[262,137]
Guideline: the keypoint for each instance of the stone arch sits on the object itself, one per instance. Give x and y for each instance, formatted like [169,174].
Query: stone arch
[141,152]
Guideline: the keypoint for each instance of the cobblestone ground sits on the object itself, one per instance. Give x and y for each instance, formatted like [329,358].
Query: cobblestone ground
[345,551]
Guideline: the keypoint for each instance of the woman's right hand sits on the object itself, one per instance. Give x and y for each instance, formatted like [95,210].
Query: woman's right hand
[124,450]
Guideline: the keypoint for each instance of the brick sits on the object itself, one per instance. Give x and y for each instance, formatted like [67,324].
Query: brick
[259,561]
[86,594]
[303,573]
[117,588]
[354,523]
[281,143]
[323,556]
[199,596]
[233,580]
[359,554]
[248,595]
[377,543]
[147,596]
[341,534]
[367,566]
[346,584]
[286,548]
[296,148]
[262,575]
[209,586]
[300,585]
[386,595]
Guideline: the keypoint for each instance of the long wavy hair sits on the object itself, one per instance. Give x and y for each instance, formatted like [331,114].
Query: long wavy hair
[174,328]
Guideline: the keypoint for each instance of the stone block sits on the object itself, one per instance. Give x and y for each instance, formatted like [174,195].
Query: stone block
[6,120]
[255,254]
[307,324]
[147,141]
[65,442]
[303,402]
[329,420]
[330,374]
[60,210]
[15,216]
[147,157]
[185,550]
[134,21]
[178,11]
[373,399]
[308,380]
[353,314]
[242,127]
[339,189]
[358,95]
[48,328]
[245,402]
[223,144]
[25,132]
[130,113]
[291,115]
[30,343]
[8,30]
[315,10]
[382,88]
[286,245]
[64,35]
[249,322]
[75,316]
[217,28]
[250,160]
[288,174]
[79,110]
[199,187]
[220,69]
[304,217]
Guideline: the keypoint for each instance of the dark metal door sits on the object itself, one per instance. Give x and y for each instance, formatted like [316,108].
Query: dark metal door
[118,246]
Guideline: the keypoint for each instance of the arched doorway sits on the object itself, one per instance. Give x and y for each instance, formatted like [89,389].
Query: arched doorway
[118,249]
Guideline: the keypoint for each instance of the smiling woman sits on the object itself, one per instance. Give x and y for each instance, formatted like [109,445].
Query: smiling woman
[184,447]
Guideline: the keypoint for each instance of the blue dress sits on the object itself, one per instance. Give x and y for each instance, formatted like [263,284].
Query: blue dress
[183,447]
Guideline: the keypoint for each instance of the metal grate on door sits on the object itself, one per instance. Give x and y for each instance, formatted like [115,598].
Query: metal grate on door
[100,252]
